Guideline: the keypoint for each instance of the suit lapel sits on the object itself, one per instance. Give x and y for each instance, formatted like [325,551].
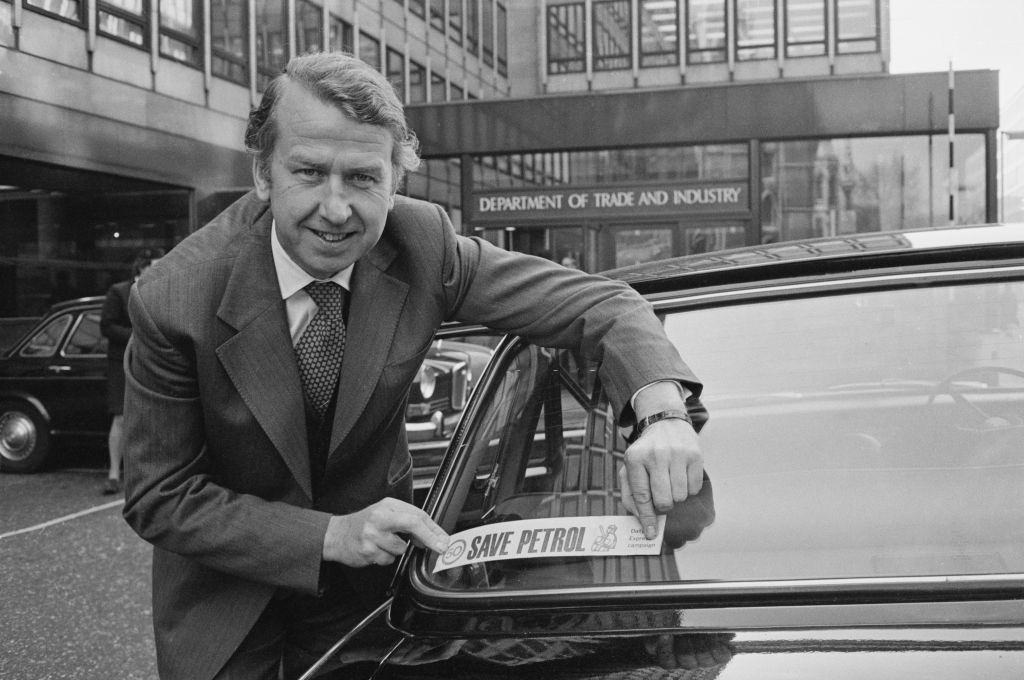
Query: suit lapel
[259,358]
[376,305]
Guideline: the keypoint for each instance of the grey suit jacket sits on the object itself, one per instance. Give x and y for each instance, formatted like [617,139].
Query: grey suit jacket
[217,462]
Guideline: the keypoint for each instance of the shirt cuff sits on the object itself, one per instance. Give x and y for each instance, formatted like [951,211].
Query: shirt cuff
[683,392]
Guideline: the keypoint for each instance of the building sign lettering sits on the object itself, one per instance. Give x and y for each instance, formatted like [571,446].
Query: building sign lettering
[719,197]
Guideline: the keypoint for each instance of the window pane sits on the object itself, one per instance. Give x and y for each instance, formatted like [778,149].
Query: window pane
[844,186]
[86,339]
[119,27]
[755,29]
[437,14]
[472,25]
[271,40]
[633,246]
[69,9]
[457,93]
[437,88]
[502,30]
[228,38]
[341,36]
[369,50]
[659,32]
[705,41]
[417,83]
[455,20]
[487,29]
[309,27]
[567,38]
[613,30]
[396,72]
[179,49]
[44,343]
[6,24]
[805,27]
[857,25]
[180,16]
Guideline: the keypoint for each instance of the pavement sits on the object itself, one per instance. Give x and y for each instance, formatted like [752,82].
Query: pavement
[74,582]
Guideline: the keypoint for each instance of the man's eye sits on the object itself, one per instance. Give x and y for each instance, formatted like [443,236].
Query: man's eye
[312,173]
[363,179]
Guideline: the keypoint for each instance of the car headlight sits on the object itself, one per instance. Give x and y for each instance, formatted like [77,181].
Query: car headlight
[428,381]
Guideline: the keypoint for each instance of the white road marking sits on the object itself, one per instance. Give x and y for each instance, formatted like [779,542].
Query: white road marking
[65,518]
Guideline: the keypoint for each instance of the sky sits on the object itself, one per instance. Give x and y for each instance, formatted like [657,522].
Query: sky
[973,34]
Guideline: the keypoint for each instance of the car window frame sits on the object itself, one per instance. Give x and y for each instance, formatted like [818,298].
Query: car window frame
[962,592]
[79,318]
[47,323]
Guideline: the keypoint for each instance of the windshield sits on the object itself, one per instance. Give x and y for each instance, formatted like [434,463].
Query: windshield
[864,434]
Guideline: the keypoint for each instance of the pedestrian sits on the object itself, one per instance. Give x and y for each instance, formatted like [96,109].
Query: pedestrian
[272,353]
[116,326]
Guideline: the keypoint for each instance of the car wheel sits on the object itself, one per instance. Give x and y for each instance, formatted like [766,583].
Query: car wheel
[24,437]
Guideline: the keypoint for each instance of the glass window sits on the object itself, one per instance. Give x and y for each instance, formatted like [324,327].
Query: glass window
[659,33]
[417,83]
[501,29]
[613,31]
[86,339]
[229,40]
[487,30]
[844,186]
[125,20]
[44,343]
[457,92]
[437,88]
[6,24]
[342,36]
[705,38]
[455,21]
[396,72]
[369,50]
[567,42]
[437,14]
[856,26]
[309,27]
[472,25]
[66,9]
[633,246]
[876,404]
[755,29]
[179,30]
[806,26]
[417,8]
[271,40]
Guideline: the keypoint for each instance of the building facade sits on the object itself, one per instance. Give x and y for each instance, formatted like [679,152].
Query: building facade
[595,132]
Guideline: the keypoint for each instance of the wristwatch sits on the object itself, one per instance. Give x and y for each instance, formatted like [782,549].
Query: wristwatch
[670,414]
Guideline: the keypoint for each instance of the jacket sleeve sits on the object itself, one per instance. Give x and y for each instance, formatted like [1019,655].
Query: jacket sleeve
[554,306]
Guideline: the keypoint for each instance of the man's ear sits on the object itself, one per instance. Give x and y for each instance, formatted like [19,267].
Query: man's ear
[260,180]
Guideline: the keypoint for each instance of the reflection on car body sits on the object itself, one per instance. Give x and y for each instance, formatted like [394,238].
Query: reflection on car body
[862,507]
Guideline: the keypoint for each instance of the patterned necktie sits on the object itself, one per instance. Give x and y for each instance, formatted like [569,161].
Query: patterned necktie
[322,344]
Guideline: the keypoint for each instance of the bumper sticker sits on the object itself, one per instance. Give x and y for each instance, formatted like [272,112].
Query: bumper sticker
[604,536]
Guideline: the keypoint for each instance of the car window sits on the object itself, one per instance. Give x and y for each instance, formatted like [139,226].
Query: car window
[867,434]
[86,338]
[44,342]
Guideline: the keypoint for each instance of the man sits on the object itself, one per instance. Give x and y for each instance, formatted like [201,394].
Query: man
[117,328]
[274,507]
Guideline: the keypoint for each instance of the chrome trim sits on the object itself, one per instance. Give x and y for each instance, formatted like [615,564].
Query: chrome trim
[957,275]
[356,629]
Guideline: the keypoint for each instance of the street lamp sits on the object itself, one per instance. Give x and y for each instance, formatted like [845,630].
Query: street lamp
[1005,136]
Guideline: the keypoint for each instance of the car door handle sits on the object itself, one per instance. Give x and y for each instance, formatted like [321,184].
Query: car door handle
[58,369]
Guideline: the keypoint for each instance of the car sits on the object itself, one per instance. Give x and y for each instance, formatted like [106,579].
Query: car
[861,515]
[53,390]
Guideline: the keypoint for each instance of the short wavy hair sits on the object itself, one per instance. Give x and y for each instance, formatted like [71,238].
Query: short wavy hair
[355,88]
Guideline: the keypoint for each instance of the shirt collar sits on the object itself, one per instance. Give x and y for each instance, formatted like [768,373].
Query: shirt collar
[290,276]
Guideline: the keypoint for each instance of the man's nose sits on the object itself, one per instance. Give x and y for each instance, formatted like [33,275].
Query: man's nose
[334,205]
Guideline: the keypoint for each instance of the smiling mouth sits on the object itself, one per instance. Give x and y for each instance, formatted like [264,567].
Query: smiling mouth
[328,237]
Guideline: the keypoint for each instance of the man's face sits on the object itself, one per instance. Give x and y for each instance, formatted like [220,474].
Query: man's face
[328,181]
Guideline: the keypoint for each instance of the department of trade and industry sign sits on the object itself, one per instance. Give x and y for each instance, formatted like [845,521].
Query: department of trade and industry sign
[680,199]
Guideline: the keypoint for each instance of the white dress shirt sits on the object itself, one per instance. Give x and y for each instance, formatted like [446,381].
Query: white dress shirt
[293,280]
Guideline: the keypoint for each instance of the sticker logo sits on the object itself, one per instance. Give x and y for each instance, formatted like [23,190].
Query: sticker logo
[454,552]
[605,540]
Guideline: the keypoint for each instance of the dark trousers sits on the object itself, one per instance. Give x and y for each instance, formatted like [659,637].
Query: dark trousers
[293,632]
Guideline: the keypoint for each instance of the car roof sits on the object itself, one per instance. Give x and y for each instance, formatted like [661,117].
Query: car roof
[64,305]
[830,255]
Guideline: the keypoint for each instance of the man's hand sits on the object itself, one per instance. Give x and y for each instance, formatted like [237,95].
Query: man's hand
[374,535]
[664,466]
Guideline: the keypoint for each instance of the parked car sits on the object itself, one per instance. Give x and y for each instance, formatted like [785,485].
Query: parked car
[53,390]
[862,507]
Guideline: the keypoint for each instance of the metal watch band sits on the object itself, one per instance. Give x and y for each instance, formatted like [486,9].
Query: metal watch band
[675,413]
